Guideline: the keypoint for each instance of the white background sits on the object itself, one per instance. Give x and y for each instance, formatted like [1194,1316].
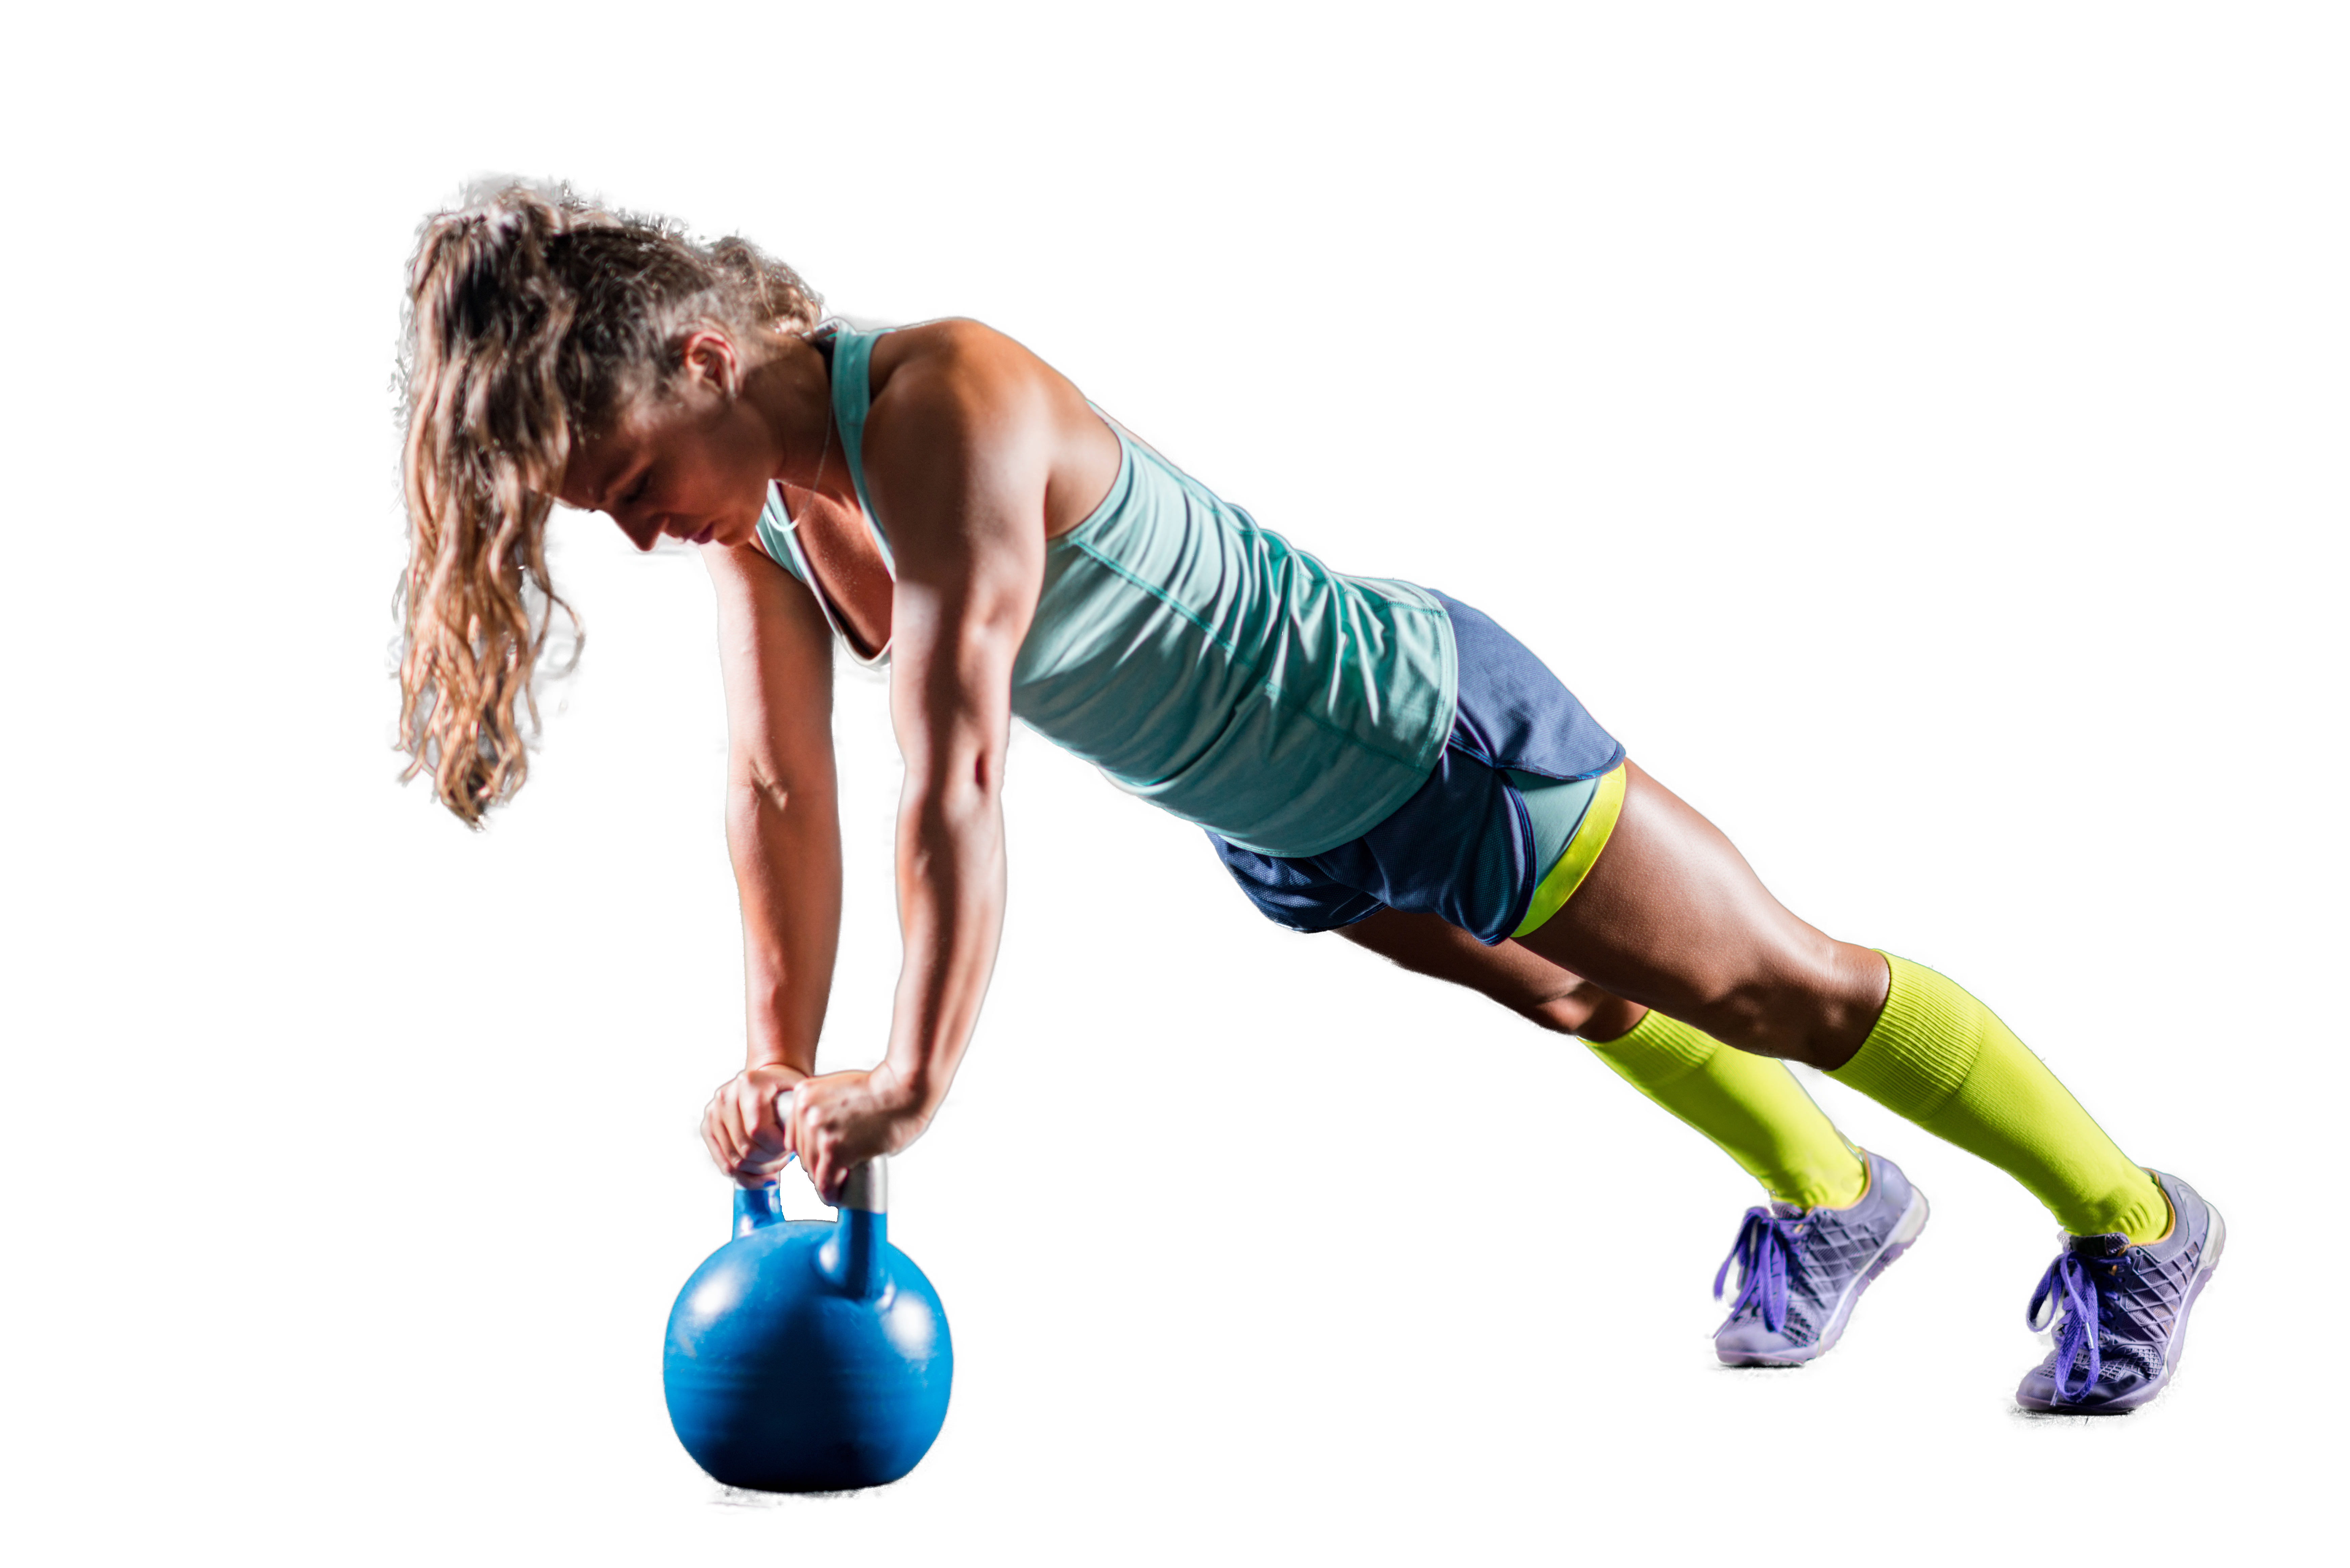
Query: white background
[1917,432]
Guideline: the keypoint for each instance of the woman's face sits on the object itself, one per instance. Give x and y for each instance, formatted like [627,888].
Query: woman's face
[691,464]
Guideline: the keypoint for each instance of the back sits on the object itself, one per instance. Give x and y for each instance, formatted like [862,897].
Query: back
[1204,663]
[1207,665]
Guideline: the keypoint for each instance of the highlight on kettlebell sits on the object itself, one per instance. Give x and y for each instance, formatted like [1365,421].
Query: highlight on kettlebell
[806,1355]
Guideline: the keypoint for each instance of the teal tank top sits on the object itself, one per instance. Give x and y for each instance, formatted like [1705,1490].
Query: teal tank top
[1202,663]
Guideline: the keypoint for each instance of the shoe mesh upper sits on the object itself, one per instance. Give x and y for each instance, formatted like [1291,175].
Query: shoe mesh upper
[1823,1252]
[2115,1310]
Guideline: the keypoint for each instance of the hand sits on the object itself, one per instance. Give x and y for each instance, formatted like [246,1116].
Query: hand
[744,1129]
[841,1120]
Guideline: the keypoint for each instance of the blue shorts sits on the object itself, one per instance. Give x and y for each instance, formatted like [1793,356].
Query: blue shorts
[1466,847]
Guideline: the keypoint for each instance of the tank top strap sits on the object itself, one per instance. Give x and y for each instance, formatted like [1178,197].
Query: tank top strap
[852,399]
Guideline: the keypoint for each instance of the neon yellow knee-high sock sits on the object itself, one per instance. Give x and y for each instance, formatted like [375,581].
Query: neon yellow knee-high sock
[1751,1107]
[1941,1059]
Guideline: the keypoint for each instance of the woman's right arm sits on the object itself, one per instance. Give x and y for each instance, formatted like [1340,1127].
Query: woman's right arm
[783,835]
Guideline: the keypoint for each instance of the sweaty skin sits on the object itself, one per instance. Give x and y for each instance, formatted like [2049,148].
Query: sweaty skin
[976,454]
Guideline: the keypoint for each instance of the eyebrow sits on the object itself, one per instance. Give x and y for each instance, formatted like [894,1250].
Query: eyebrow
[627,470]
[595,500]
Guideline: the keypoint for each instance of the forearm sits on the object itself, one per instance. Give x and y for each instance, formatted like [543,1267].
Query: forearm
[958,457]
[951,896]
[785,849]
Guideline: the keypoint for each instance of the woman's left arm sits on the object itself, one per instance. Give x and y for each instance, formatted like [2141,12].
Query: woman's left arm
[959,452]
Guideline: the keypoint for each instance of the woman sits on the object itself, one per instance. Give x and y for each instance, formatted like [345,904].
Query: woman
[1368,756]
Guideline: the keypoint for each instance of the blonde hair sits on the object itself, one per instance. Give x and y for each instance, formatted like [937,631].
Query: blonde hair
[535,320]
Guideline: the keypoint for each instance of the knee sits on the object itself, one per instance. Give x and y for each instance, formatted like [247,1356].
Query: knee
[1585,1011]
[1560,1014]
[1765,1018]
[1817,1012]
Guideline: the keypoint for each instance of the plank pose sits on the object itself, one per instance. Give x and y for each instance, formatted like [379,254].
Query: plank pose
[1368,756]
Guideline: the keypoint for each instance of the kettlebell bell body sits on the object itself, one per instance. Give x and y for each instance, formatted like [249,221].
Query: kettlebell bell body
[808,1356]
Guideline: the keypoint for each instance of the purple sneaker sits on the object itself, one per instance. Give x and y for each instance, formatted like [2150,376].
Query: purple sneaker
[1801,1269]
[2121,1310]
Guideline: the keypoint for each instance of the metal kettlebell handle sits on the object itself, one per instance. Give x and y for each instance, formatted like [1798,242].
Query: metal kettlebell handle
[867,1189]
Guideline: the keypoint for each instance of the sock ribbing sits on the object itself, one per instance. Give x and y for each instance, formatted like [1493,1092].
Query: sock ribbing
[1750,1106]
[1924,1044]
[1943,1059]
[1659,1051]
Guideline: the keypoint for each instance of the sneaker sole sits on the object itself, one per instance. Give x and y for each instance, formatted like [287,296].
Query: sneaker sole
[1912,1222]
[2205,1267]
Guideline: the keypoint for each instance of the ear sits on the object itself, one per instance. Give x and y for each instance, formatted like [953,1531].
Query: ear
[708,357]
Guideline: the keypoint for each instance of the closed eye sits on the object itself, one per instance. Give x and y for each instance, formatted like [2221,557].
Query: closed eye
[637,491]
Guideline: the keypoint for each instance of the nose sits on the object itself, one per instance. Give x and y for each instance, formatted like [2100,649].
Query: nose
[643,531]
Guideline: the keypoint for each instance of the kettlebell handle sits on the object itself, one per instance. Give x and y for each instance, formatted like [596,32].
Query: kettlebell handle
[867,1189]
[853,1259]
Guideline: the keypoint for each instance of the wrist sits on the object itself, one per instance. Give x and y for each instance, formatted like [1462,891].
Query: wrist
[761,1058]
[906,1091]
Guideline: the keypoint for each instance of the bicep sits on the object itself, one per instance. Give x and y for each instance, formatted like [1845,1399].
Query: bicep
[774,653]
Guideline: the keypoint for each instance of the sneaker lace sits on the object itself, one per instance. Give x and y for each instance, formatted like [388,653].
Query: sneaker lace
[1767,1245]
[2069,1292]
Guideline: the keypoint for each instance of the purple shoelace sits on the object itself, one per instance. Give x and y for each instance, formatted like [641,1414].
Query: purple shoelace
[1766,1245]
[2069,1289]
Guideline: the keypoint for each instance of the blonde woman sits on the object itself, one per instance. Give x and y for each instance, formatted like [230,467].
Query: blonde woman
[1368,756]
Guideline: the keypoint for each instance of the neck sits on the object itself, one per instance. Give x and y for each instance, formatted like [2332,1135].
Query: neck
[793,397]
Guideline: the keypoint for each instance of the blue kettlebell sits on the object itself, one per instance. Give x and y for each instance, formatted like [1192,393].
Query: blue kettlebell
[807,1356]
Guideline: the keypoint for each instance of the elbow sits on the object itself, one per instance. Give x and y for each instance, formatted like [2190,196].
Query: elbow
[753,791]
[981,773]
[757,794]
[962,784]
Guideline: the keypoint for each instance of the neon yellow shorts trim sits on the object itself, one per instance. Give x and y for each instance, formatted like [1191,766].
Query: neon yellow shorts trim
[1582,852]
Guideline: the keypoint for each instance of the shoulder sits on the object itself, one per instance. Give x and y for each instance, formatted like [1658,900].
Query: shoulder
[960,409]
[951,374]
[951,345]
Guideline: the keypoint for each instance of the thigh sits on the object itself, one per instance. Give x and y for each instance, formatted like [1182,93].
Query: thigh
[1522,981]
[1671,917]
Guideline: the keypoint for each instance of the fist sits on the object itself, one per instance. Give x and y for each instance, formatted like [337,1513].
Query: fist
[745,1129]
[843,1119]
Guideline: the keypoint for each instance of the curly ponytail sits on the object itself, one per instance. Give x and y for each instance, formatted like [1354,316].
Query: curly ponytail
[533,321]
